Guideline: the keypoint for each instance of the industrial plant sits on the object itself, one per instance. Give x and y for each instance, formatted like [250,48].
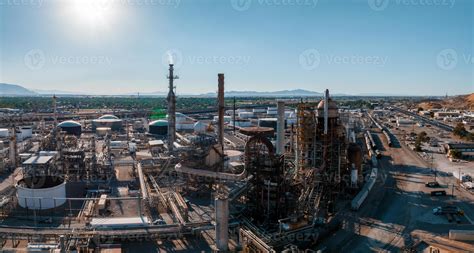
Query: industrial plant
[296,176]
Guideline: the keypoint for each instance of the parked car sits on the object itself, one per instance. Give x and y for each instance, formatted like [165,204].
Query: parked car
[159,222]
[432,184]
[438,193]
[447,209]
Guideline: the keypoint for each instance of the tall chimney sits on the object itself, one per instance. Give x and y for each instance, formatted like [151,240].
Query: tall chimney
[326,111]
[220,98]
[222,223]
[171,109]
[13,148]
[55,111]
[280,148]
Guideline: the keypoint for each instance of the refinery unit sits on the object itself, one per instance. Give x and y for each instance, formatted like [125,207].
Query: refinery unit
[250,180]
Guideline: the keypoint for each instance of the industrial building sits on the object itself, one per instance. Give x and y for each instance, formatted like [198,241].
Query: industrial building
[230,180]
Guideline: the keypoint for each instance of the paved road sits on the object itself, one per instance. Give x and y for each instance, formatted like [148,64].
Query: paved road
[399,205]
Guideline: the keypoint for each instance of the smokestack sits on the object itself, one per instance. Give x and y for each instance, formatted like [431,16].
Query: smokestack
[220,98]
[13,148]
[222,223]
[326,111]
[280,148]
[55,112]
[171,109]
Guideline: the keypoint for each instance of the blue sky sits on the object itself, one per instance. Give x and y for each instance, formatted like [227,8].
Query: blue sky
[418,47]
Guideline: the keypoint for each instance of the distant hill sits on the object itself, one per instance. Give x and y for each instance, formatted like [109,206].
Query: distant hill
[282,93]
[461,102]
[57,92]
[15,90]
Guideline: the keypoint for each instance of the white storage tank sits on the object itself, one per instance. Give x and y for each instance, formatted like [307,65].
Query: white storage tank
[41,193]
[179,117]
[200,127]
[227,119]
[246,115]
[103,131]
[4,133]
[259,110]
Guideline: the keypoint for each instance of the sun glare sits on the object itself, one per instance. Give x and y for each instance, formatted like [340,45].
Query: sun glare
[93,14]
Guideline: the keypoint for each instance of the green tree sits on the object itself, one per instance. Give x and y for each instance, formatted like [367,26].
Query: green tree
[460,131]
[456,154]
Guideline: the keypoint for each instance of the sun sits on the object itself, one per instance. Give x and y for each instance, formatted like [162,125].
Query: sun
[93,14]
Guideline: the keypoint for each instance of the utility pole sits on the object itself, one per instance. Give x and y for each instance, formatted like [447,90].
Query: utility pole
[233,116]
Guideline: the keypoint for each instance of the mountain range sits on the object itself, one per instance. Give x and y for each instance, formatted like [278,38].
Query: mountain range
[17,90]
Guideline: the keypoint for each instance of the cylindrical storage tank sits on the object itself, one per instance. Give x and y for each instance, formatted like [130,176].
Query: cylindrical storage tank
[4,133]
[246,115]
[103,131]
[268,122]
[26,131]
[159,127]
[108,121]
[259,110]
[71,127]
[227,119]
[41,193]
[272,112]
[200,127]
[179,117]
